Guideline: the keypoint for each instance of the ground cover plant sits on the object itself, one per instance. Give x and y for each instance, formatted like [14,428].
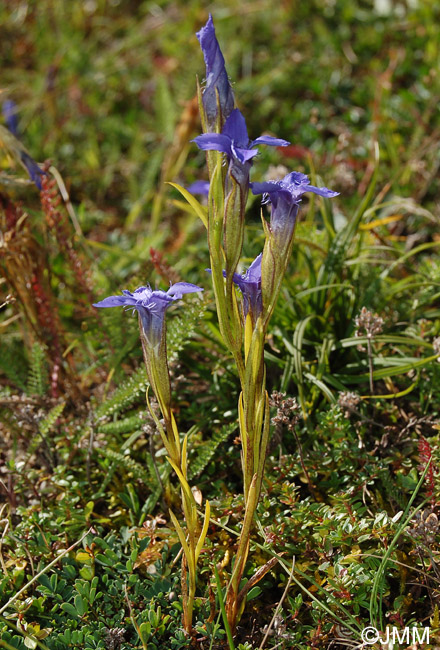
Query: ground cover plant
[345,532]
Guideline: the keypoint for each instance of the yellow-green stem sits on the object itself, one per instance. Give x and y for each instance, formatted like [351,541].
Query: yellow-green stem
[232,603]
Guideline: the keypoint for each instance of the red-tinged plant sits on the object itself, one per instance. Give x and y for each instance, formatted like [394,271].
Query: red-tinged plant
[56,220]
[24,266]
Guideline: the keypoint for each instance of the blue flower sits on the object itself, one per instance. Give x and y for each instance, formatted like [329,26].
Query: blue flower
[250,286]
[151,306]
[217,80]
[199,187]
[234,140]
[285,196]
[9,110]
[34,171]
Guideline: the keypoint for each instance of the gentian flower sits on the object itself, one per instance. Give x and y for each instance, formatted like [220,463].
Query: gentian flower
[285,196]
[250,286]
[217,80]
[234,140]
[151,306]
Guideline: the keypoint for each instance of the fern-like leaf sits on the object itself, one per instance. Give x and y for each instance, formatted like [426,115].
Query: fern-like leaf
[127,425]
[132,467]
[207,450]
[38,383]
[182,328]
[126,395]
[46,425]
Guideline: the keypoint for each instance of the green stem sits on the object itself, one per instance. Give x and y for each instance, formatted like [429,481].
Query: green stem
[232,602]
[263,446]
[223,610]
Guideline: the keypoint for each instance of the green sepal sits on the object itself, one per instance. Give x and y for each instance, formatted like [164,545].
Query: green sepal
[254,370]
[155,357]
[276,255]
[216,204]
[202,113]
[233,226]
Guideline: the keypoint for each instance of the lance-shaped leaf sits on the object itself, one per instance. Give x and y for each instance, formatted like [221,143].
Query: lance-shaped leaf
[204,532]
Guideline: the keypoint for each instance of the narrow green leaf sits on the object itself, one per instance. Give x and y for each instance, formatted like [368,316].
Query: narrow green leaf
[198,208]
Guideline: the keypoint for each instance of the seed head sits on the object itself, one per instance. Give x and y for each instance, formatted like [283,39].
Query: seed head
[348,401]
[368,323]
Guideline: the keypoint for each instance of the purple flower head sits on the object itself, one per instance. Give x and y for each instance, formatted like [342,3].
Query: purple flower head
[199,187]
[234,140]
[250,286]
[285,196]
[151,306]
[9,110]
[217,80]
